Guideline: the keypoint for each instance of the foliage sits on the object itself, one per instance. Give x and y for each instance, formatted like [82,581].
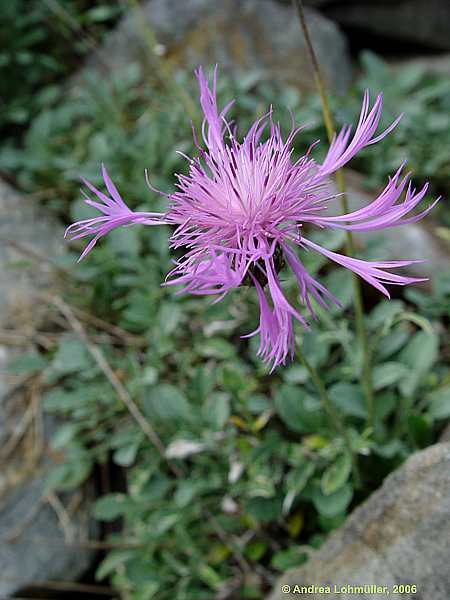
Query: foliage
[261,472]
[423,136]
[30,74]
[255,451]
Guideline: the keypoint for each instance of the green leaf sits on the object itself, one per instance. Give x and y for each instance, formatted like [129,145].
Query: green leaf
[389,449]
[420,429]
[295,374]
[155,489]
[296,481]
[256,550]
[185,492]
[62,401]
[68,476]
[126,455]
[71,357]
[340,283]
[258,403]
[315,347]
[209,576]
[217,348]
[110,507]
[336,475]
[385,404]
[113,560]
[169,317]
[393,342]
[419,356]
[65,434]
[217,409]
[125,241]
[201,384]
[299,411]
[165,402]
[349,398]
[286,559]
[28,363]
[330,523]
[387,374]
[101,13]
[235,378]
[384,313]
[299,476]
[439,403]
[332,505]
[263,509]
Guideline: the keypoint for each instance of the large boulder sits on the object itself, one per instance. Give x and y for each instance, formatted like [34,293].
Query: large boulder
[36,539]
[239,35]
[399,536]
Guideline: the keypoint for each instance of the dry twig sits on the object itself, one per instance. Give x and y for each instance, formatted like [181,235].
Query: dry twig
[62,515]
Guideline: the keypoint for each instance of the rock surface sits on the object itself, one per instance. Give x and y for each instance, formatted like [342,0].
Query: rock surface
[24,225]
[36,544]
[398,536]
[415,22]
[239,35]
[32,539]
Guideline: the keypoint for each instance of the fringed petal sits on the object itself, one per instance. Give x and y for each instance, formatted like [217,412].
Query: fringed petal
[370,271]
[115,214]
[342,150]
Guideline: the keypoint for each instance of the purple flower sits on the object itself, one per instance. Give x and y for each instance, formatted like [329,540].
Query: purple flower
[239,215]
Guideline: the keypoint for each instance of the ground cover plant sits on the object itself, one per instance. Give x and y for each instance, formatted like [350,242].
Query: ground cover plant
[249,472]
[31,76]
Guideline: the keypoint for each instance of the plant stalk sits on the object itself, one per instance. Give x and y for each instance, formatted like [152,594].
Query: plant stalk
[334,416]
[361,331]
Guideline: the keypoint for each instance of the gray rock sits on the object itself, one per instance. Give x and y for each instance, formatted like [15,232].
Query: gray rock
[28,238]
[445,435]
[239,35]
[400,535]
[37,545]
[33,543]
[412,21]
[27,233]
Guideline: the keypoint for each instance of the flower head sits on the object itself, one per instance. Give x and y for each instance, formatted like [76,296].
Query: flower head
[240,210]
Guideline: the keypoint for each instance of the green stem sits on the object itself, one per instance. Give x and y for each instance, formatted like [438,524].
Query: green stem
[334,416]
[361,330]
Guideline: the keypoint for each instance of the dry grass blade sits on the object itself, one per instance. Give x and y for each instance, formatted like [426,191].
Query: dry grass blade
[74,543]
[63,516]
[116,331]
[66,586]
[35,255]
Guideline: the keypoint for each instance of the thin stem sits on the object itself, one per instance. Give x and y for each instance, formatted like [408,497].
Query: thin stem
[361,330]
[333,415]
